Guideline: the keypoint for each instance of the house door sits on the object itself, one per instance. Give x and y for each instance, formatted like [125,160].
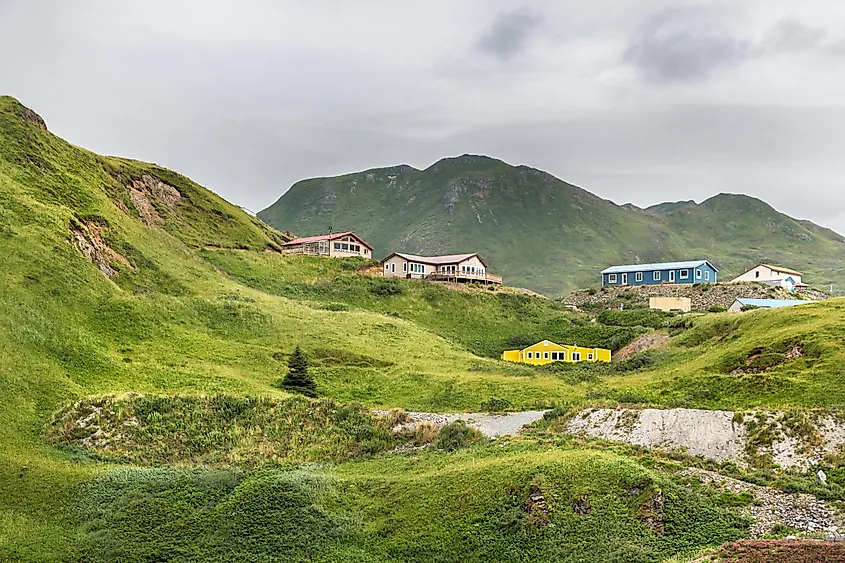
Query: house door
[624,279]
[672,276]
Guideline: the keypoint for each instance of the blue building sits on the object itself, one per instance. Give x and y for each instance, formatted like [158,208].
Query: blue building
[694,271]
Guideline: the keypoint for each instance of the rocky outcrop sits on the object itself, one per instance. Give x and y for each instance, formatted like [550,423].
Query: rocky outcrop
[491,425]
[702,296]
[87,238]
[145,192]
[31,117]
[797,440]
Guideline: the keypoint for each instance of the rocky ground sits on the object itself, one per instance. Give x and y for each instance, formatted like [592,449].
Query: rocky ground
[803,513]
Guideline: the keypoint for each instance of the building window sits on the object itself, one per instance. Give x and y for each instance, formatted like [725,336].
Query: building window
[530,356]
[684,274]
[656,276]
[344,246]
[387,267]
[707,275]
[576,356]
[611,278]
[554,355]
[589,356]
[393,268]
[757,274]
[639,276]
[698,274]
[404,266]
[545,355]
[337,246]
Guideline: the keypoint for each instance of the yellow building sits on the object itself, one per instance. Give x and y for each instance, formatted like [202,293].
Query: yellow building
[546,352]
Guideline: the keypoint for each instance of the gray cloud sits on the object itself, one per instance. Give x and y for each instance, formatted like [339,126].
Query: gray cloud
[683,44]
[792,35]
[250,96]
[510,33]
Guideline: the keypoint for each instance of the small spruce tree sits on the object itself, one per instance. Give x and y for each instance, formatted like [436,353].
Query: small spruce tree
[298,380]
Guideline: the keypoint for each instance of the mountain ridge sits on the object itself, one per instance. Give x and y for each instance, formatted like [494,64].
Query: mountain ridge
[542,232]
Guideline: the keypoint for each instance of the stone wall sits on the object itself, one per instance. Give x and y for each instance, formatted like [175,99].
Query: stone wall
[702,296]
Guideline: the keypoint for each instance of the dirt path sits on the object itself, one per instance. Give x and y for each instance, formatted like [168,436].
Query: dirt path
[491,425]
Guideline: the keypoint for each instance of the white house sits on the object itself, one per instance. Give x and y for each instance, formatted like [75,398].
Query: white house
[773,275]
[460,268]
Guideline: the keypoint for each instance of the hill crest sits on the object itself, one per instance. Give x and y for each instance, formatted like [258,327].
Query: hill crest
[541,232]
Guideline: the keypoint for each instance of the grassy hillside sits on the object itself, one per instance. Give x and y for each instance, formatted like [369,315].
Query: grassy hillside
[120,277]
[542,233]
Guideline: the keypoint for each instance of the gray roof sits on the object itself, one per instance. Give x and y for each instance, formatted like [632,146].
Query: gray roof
[772,303]
[438,260]
[658,266]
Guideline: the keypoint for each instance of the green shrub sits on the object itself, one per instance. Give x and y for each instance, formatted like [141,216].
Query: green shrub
[333,306]
[717,309]
[494,404]
[383,287]
[456,435]
[635,317]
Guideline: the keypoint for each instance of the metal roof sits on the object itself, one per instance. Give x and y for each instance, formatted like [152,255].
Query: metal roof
[772,303]
[437,260]
[658,266]
[778,269]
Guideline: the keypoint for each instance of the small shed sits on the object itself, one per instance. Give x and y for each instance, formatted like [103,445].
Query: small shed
[682,304]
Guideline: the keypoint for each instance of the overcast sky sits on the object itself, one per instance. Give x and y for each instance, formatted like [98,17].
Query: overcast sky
[634,100]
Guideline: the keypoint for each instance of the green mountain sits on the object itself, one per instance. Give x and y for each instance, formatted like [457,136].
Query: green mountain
[545,234]
[145,324]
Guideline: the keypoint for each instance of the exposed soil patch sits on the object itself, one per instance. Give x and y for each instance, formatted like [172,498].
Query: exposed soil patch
[648,341]
[87,238]
[781,551]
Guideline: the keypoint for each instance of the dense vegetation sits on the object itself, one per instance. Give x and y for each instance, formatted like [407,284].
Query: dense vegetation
[544,234]
[200,319]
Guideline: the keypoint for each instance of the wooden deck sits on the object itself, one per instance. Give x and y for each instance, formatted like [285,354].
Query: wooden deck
[458,277]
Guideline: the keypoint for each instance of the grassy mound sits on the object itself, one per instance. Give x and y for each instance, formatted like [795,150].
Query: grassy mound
[483,504]
[222,430]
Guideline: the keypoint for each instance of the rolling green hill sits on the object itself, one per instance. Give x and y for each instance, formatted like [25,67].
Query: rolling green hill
[119,277]
[544,234]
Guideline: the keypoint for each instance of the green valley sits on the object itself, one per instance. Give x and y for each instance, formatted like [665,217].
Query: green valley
[145,325]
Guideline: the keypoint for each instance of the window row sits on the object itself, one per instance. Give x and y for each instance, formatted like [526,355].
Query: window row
[657,276]
[347,247]
[556,356]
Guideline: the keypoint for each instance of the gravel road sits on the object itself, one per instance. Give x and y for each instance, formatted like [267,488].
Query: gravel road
[491,425]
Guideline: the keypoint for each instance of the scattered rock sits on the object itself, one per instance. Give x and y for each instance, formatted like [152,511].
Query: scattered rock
[800,512]
[536,506]
[582,506]
[651,513]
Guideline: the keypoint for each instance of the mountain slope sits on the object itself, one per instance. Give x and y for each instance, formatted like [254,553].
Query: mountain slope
[542,233]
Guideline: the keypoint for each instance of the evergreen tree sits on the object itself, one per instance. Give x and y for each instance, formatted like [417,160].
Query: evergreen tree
[298,380]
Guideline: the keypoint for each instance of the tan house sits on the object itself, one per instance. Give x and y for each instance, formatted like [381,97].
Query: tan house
[773,275]
[340,245]
[460,268]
